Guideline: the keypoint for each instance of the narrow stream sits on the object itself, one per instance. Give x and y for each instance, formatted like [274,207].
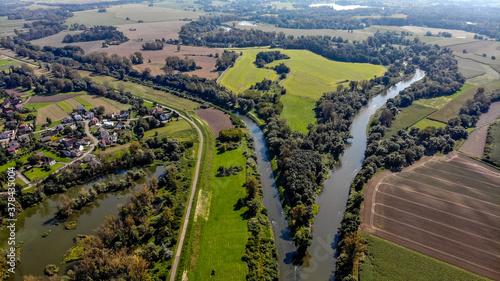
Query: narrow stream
[321,263]
[37,252]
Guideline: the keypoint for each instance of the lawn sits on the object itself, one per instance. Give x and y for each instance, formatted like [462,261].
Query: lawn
[492,148]
[391,262]
[13,163]
[180,130]
[224,236]
[7,62]
[57,158]
[441,102]
[408,117]
[36,174]
[429,123]
[146,92]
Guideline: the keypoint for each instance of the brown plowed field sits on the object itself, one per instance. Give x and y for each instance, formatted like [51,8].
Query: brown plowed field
[446,207]
[216,119]
[48,99]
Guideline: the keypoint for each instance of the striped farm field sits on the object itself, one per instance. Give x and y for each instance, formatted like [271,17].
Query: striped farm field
[73,103]
[96,101]
[53,111]
[65,106]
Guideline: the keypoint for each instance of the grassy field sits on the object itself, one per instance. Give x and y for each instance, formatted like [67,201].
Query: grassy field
[408,117]
[441,102]
[224,236]
[310,76]
[37,174]
[494,146]
[388,261]
[429,123]
[96,102]
[83,102]
[57,158]
[180,130]
[7,62]
[120,106]
[146,92]
[452,108]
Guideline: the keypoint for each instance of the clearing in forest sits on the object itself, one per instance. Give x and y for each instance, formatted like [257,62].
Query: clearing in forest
[446,207]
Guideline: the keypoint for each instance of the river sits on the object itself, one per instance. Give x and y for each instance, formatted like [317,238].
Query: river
[332,200]
[37,252]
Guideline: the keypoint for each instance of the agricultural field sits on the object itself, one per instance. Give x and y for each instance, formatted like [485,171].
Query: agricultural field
[470,68]
[408,117]
[387,261]
[7,26]
[451,108]
[222,251]
[96,102]
[442,101]
[475,143]
[216,119]
[53,98]
[492,150]
[145,92]
[52,111]
[310,76]
[429,123]
[181,130]
[445,207]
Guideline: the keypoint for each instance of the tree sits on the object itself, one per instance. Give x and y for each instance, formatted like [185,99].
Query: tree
[354,246]
[178,48]
[64,206]
[34,159]
[49,120]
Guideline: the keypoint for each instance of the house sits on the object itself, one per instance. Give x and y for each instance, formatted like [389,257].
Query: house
[78,117]
[67,120]
[24,130]
[59,127]
[75,153]
[24,138]
[13,143]
[78,147]
[108,124]
[27,167]
[104,143]
[113,137]
[77,163]
[50,133]
[104,135]
[81,108]
[18,106]
[40,154]
[69,142]
[54,144]
[73,127]
[90,115]
[164,117]
[13,122]
[6,134]
[46,139]
[94,120]
[124,114]
[16,102]
[157,110]
[6,104]
[49,161]
[13,149]
[89,157]
[9,112]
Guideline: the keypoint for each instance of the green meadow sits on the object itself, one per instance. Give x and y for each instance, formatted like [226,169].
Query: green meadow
[387,261]
[181,130]
[408,117]
[223,240]
[429,123]
[442,101]
[310,76]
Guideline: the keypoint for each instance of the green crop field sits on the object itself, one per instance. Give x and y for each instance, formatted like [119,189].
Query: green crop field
[180,130]
[83,102]
[408,117]
[389,262]
[65,106]
[145,92]
[222,242]
[310,76]
[429,123]
[492,148]
[441,102]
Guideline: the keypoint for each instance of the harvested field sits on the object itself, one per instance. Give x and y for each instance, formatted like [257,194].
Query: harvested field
[474,144]
[470,68]
[73,103]
[48,99]
[96,101]
[216,119]
[446,207]
[53,111]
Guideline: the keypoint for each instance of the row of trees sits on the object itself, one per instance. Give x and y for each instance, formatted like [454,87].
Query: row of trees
[98,32]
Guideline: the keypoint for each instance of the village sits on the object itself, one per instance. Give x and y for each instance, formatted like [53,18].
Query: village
[75,140]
